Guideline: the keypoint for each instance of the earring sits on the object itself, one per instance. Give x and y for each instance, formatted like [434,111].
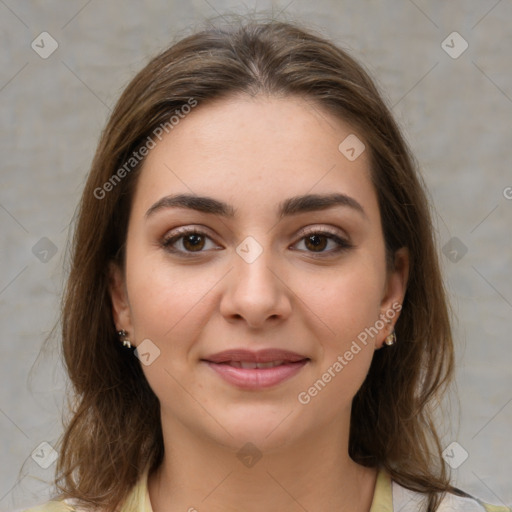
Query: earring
[122,334]
[390,338]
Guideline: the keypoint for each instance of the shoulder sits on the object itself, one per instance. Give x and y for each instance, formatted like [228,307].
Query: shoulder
[52,506]
[456,503]
[406,500]
[138,499]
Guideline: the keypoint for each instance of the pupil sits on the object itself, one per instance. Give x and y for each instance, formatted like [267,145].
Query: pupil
[193,241]
[317,241]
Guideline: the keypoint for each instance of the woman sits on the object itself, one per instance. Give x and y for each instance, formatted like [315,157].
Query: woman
[254,317]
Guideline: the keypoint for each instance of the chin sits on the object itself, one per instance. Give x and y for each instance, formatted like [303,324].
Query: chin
[268,427]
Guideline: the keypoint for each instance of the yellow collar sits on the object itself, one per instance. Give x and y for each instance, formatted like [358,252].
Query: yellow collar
[139,500]
[383,493]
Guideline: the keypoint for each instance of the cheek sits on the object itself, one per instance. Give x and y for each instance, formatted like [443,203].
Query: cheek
[168,307]
[346,300]
[348,307]
[167,303]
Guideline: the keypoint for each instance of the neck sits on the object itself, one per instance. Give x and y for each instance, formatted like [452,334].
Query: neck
[314,473]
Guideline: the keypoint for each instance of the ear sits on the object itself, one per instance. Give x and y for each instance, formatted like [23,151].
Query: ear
[394,293]
[120,305]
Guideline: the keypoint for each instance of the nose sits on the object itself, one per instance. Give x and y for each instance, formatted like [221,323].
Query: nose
[256,293]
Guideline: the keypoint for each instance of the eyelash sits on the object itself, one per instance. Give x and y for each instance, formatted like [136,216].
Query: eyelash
[169,241]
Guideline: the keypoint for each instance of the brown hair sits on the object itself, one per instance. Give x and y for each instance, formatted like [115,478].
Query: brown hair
[114,429]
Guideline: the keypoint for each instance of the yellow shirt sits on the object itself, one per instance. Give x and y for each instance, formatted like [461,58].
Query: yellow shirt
[388,497]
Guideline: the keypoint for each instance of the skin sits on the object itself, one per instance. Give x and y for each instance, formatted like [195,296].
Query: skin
[253,153]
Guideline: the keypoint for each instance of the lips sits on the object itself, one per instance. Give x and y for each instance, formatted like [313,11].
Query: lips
[256,370]
[250,364]
[261,356]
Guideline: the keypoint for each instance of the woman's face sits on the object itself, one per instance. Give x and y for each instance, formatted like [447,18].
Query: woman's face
[282,263]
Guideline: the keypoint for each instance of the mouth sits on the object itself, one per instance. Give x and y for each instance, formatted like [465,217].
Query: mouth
[256,370]
[270,355]
[251,365]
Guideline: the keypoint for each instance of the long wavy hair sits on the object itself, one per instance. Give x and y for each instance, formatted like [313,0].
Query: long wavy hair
[113,429]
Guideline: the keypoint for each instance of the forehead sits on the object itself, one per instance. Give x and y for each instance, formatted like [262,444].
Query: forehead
[254,151]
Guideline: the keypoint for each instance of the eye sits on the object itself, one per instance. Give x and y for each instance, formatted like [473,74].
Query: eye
[188,240]
[319,240]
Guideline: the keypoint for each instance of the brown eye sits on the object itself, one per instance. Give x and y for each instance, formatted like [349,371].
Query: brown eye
[187,241]
[316,242]
[322,243]
[193,242]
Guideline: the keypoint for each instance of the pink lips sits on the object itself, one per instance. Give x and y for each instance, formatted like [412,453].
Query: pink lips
[256,370]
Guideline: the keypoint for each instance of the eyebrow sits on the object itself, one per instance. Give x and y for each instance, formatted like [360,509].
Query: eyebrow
[291,206]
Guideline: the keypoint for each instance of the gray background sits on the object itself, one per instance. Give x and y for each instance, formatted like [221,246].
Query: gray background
[456,114]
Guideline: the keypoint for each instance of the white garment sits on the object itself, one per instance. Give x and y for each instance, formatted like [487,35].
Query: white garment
[405,500]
